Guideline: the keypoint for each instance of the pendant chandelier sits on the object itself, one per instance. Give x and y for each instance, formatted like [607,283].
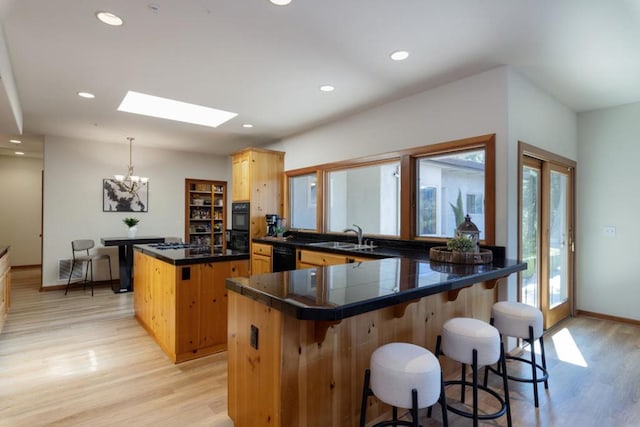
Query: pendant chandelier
[130,180]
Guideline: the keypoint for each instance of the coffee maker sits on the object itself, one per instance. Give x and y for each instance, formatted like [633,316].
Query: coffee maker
[272,222]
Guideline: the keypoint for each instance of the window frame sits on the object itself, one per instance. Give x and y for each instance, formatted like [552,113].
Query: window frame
[408,183]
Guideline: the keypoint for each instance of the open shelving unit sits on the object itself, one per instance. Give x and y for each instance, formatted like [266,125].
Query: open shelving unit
[205,212]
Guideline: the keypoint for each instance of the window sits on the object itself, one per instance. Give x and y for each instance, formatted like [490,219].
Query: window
[474,204]
[416,193]
[368,196]
[427,208]
[303,194]
[459,180]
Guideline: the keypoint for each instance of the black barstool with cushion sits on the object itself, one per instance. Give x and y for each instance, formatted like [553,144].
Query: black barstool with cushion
[475,343]
[518,320]
[403,375]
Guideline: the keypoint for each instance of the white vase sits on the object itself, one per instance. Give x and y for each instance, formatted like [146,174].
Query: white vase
[131,232]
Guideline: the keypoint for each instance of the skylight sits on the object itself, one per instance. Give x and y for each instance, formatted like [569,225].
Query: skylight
[164,108]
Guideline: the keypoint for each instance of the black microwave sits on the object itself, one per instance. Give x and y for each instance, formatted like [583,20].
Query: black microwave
[240,216]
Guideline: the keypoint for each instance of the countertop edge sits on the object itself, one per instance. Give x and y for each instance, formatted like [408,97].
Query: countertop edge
[192,261]
[349,310]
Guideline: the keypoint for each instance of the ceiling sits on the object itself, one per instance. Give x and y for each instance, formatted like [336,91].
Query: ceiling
[267,62]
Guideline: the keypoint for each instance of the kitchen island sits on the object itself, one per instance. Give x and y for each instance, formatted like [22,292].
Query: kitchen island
[300,341]
[180,296]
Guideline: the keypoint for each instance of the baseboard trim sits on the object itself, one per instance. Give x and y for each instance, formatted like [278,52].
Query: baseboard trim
[62,287]
[608,317]
[25,267]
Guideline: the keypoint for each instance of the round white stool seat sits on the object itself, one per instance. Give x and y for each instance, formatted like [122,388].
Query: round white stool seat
[514,318]
[398,368]
[461,335]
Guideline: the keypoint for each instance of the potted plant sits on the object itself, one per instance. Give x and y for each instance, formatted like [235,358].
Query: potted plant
[280,231]
[461,244]
[131,223]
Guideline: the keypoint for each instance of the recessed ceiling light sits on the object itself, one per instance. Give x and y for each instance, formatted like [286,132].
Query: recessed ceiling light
[280,2]
[15,141]
[400,55]
[87,95]
[327,88]
[247,125]
[109,18]
[164,108]
[19,153]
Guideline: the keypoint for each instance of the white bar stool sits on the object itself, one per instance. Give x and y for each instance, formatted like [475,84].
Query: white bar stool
[476,343]
[523,321]
[403,375]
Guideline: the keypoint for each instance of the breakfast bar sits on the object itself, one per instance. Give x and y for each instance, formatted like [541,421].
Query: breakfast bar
[299,341]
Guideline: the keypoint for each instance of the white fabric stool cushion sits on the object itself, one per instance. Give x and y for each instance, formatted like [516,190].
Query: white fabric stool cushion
[398,368]
[461,335]
[514,318]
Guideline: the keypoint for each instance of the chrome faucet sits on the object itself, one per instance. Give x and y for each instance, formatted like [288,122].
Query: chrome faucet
[358,232]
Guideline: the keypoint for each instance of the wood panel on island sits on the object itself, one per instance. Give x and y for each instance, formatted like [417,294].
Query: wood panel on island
[184,307]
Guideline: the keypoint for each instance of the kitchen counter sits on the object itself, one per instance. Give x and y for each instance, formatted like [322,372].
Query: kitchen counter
[176,254]
[338,292]
[299,341]
[383,248]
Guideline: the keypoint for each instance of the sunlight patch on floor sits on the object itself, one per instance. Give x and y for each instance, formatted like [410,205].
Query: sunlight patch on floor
[566,348]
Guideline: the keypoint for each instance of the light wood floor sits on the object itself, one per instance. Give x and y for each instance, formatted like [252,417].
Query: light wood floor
[84,361]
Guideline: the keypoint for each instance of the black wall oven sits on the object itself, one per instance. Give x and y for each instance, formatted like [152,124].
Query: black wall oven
[239,236]
[240,216]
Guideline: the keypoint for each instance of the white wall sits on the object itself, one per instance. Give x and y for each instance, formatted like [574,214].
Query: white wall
[608,177]
[74,171]
[538,119]
[21,208]
[473,106]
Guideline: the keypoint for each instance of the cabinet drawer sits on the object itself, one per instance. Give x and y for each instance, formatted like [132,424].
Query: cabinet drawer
[321,258]
[261,249]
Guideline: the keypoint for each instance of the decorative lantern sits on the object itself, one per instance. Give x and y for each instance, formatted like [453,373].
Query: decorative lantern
[469,230]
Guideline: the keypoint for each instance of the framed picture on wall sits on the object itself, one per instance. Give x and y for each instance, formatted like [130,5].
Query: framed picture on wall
[124,196]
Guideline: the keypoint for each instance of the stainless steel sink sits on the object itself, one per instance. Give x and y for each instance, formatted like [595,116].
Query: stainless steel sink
[334,245]
[340,245]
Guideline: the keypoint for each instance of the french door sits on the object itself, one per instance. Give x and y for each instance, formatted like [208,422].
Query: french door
[546,200]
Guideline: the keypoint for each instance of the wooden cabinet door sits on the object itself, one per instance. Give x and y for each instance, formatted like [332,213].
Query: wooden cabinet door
[305,259]
[261,258]
[240,177]
[260,264]
[213,297]
[188,307]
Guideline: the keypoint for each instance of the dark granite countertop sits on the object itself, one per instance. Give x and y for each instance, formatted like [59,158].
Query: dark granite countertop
[383,248]
[188,255]
[337,292]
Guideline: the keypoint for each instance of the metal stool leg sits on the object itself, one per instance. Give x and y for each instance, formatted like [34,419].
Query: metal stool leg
[365,396]
[544,361]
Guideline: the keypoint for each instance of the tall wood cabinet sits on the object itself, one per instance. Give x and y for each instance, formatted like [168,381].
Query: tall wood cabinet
[258,178]
[205,212]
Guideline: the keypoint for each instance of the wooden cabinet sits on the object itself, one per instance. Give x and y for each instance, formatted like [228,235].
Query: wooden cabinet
[258,178]
[184,308]
[240,176]
[5,286]
[309,259]
[261,258]
[205,212]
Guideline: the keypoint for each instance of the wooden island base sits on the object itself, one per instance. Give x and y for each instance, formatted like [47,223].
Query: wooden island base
[184,307]
[297,377]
